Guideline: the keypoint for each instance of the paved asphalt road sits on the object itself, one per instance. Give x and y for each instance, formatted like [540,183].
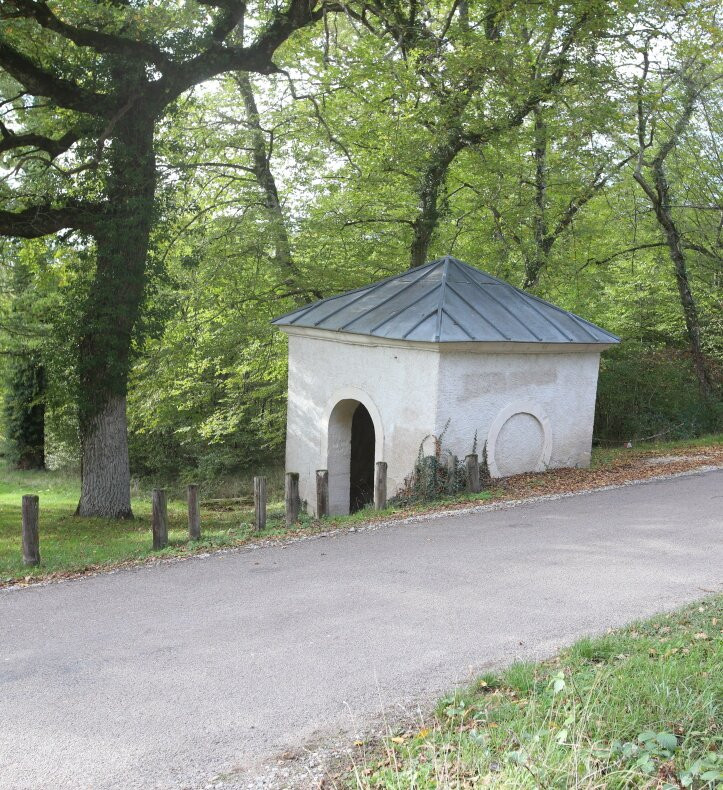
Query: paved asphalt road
[165,676]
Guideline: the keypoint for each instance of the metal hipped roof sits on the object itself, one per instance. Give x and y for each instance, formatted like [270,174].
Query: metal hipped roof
[446,301]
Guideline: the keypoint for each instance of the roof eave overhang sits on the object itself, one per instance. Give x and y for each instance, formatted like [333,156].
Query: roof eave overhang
[469,346]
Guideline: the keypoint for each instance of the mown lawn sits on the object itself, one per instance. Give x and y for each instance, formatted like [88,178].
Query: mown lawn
[71,544]
[605,455]
[641,707]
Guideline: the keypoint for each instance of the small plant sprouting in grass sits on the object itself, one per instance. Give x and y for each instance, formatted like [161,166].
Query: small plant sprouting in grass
[646,751]
[521,678]
[597,651]
[488,683]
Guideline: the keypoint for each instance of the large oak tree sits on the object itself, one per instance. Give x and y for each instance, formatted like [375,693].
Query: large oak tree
[84,87]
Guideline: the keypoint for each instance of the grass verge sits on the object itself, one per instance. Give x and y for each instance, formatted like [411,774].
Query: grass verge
[639,707]
[70,545]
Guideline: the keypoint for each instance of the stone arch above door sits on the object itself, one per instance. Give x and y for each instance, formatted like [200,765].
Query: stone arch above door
[351,393]
[335,442]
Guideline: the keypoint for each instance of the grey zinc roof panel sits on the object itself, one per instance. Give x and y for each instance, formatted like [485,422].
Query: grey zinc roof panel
[446,301]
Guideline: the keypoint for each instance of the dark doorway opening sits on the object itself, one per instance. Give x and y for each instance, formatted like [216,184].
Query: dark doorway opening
[361,472]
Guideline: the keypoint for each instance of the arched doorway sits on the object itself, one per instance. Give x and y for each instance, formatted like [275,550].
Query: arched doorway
[351,455]
[361,467]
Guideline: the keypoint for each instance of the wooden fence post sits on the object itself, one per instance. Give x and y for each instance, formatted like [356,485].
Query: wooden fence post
[451,473]
[472,463]
[31,538]
[259,503]
[380,486]
[291,498]
[194,513]
[322,493]
[159,519]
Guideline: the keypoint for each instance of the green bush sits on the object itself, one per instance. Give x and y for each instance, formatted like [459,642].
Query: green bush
[24,412]
[649,393]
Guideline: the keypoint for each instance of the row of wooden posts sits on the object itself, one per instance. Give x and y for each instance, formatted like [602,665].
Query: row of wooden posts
[292,501]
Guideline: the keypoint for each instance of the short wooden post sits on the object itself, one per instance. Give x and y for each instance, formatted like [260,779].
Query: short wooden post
[322,493]
[428,478]
[451,473]
[380,486]
[291,498]
[31,538]
[259,503]
[472,463]
[194,513]
[159,519]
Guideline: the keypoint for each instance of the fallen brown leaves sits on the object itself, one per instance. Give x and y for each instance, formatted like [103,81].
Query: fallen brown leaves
[623,469]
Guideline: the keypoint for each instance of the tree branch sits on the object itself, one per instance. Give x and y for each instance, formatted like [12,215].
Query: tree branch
[103,43]
[42,83]
[597,183]
[601,261]
[257,58]
[232,14]
[37,221]
[702,250]
[10,141]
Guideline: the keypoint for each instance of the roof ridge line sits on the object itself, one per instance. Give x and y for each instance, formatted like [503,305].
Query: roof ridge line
[305,308]
[456,323]
[368,290]
[475,310]
[567,312]
[404,309]
[545,302]
[483,314]
[384,301]
[419,323]
[440,306]
[507,309]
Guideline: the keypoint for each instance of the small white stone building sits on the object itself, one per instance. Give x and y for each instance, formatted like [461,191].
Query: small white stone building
[375,372]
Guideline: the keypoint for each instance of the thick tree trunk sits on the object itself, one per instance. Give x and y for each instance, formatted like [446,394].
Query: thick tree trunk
[658,193]
[687,300]
[266,181]
[283,255]
[690,314]
[106,470]
[425,223]
[111,312]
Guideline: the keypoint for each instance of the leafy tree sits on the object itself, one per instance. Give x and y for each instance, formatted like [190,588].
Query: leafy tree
[85,90]
[25,391]
[273,190]
[470,74]
[651,173]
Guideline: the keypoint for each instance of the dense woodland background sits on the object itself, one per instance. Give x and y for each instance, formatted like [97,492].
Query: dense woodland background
[176,174]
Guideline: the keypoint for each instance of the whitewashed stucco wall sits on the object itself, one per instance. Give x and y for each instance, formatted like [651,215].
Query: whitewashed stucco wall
[534,410]
[396,384]
[534,405]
